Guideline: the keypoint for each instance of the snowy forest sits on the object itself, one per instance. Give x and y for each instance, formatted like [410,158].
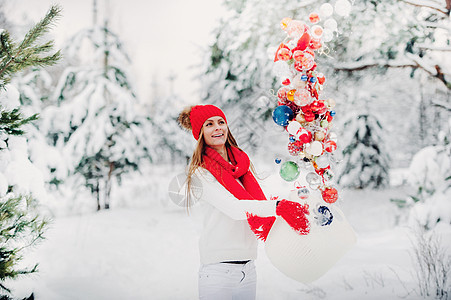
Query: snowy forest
[86,162]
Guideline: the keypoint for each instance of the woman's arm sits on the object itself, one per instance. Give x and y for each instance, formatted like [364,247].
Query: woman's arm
[218,196]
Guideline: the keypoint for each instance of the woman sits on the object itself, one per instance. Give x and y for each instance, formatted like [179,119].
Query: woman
[227,245]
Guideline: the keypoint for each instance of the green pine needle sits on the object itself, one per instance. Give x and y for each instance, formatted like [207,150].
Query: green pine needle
[29,53]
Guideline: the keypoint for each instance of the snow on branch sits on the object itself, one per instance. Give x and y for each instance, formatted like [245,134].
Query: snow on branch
[429,4]
[436,25]
[442,104]
[362,65]
[428,47]
[413,61]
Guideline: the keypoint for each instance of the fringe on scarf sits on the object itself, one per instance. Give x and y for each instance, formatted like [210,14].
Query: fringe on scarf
[260,226]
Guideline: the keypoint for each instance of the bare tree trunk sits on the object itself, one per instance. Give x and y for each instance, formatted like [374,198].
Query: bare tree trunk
[108,186]
[96,192]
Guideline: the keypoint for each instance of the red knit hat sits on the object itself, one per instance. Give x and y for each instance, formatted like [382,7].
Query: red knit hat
[200,113]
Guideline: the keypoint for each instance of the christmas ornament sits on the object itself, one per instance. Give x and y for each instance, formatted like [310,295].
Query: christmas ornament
[284,23]
[282,114]
[289,171]
[324,216]
[326,10]
[313,178]
[303,193]
[331,25]
[317,31]
[284,54]
[343,8]
[322,162]
[319,136]
[290,95]
[282,93]
[330,146]
[330,195]
[314,18]
[315,148]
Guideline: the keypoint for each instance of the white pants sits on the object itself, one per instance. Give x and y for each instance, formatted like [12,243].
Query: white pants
[223,281]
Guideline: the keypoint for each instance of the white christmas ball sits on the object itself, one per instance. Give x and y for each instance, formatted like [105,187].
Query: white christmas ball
[297,82]
[293,127]
[322,162]
[312,177]
[315,148]
[281,69]
[328,35]
[331,24]
[317,31]
[326,10]
[343,8]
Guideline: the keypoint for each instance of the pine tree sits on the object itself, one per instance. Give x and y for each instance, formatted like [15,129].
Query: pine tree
[20,223]
[366,161]
[94,124]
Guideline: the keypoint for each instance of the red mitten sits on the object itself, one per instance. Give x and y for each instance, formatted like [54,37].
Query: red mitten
[260,226]
[295,214]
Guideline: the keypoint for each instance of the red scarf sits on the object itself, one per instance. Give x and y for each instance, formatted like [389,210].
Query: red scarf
[227,174]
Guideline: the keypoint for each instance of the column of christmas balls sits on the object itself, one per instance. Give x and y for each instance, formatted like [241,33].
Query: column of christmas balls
[306,118]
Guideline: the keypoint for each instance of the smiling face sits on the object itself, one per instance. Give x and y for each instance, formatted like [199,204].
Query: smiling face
[215,132]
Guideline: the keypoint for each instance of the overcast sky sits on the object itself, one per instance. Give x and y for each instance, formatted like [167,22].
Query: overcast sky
[160,36]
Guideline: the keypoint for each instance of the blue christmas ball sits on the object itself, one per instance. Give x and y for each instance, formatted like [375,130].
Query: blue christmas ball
[278,160]
[304,77]
[326,216]
[282,115]
[313,79]
[292,138]
[332,113]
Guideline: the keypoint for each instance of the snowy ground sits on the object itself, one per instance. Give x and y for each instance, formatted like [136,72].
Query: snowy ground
[150,252]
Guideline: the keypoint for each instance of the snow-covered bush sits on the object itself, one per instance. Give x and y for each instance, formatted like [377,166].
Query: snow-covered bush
[430,178]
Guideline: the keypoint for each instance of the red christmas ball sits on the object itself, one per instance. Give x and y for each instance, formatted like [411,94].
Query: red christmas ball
[305,136]
[318,107]
[306,109]
[284,54]
[315,44]
[298,55]
[330,195]
[309,116]
[282,93]
[282,45]
[330,146]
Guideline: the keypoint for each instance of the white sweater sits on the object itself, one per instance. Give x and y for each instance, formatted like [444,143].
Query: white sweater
[225,233]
